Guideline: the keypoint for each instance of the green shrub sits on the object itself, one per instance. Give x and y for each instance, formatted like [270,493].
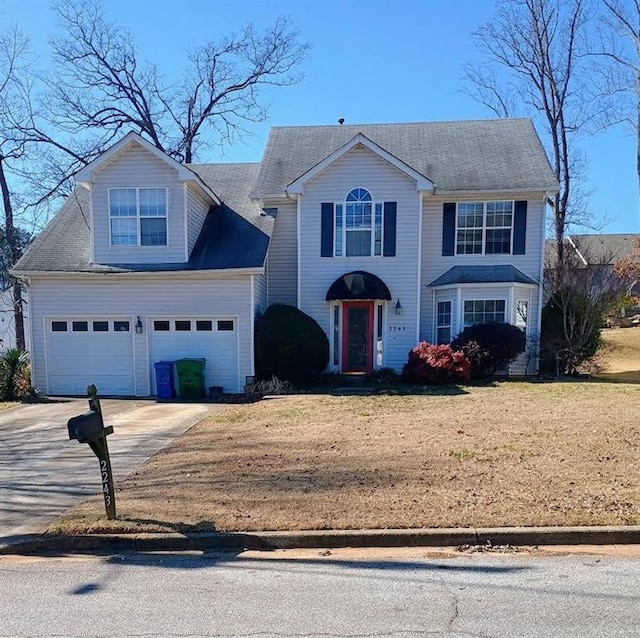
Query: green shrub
[290,345]
[435,365]
[15,374]
[490,347]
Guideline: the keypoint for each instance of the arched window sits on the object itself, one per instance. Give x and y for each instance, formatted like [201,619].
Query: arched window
[359,230]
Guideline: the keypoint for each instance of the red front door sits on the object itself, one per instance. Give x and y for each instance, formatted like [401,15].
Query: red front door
[357,336]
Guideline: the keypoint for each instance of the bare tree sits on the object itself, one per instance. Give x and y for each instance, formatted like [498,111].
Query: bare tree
[532,65]
[582,290]
[618,48]
[36,168]
[13,65]
[102,85]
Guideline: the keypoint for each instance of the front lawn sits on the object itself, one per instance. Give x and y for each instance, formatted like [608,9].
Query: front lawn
[565,453]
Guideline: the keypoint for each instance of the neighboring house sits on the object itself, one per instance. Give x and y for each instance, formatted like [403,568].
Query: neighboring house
[385,234]
[597,254]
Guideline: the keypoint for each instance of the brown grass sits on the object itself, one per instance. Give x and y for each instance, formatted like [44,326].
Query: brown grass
[7,405]
[620,355]
[564,453]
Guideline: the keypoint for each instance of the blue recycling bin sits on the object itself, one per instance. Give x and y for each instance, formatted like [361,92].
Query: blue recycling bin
[164,379]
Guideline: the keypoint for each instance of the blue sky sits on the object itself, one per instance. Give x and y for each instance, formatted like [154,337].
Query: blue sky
[371,61]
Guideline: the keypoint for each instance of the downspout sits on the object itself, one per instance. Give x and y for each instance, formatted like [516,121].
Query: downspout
[419,291]
[545,199]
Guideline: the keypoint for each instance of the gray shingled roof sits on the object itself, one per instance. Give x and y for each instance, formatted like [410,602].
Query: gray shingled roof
[234,235]
[480,274]
[605,248]
[476,155]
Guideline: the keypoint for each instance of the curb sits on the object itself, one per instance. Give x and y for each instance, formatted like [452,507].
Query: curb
[236,542]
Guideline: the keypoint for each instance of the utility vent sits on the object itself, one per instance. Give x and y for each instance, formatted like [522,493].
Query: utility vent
[272,212]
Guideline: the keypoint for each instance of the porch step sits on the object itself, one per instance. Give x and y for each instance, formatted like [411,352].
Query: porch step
[351,380]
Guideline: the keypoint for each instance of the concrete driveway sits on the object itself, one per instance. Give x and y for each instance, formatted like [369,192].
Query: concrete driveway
[42,473]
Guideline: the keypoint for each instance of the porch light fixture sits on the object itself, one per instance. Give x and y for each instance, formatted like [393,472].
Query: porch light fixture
[398,307]
[138,325]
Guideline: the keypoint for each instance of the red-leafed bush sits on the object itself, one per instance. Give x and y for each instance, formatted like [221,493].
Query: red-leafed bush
[436,365]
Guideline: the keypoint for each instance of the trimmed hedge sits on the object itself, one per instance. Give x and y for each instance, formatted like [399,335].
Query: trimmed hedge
[290,345]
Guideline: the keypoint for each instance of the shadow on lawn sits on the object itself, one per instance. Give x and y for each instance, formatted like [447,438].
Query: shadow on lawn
[628,376]
[396,390]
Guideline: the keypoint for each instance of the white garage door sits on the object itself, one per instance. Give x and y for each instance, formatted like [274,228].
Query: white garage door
[84,350]
[214,339]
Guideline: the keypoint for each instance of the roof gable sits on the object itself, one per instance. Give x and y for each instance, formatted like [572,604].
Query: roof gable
[86,175]
[468,156]
[359,141]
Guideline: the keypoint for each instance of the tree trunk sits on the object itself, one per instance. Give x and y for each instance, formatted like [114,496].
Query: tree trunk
[14,251]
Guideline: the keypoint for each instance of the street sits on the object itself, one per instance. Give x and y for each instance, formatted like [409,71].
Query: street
[314,593]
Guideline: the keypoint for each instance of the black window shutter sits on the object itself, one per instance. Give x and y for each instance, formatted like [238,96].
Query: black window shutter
[448,230]
[326,231]
[520,228]
[390,214]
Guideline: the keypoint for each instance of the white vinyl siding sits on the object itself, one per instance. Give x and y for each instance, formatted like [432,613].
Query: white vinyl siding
[133,169]
[197,209]
[282,263]
[361,168]
[171,295]
[260,293]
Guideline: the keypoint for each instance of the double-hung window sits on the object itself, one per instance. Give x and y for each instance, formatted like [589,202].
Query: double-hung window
[484,311]
[443,322]
[484,228]
[358,225]
[138,216]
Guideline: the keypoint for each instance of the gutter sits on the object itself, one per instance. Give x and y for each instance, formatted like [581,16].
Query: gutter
[24,274]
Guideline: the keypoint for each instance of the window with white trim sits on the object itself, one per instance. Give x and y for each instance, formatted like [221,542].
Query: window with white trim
[483,311]
[484,228]
[138,216]
[522,314]
[443,322]
[358,225]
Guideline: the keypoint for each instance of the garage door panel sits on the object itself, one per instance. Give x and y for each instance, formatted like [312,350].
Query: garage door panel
[76,358]
[218,347]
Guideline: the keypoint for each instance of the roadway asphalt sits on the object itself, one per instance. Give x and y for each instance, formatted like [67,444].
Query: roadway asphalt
[42,473]
[324,594]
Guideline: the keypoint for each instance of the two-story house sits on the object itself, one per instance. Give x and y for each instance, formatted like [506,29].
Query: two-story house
[385,234]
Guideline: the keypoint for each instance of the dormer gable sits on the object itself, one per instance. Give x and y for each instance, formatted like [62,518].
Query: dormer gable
[144,205]
[86,175]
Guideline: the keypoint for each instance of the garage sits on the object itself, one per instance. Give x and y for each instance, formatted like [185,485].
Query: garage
[214,339]
[84,350]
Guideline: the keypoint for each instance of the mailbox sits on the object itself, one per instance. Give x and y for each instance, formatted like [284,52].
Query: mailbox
[89,428]
[86,427]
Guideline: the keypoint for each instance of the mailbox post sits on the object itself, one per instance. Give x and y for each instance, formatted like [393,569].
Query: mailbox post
[89,428]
